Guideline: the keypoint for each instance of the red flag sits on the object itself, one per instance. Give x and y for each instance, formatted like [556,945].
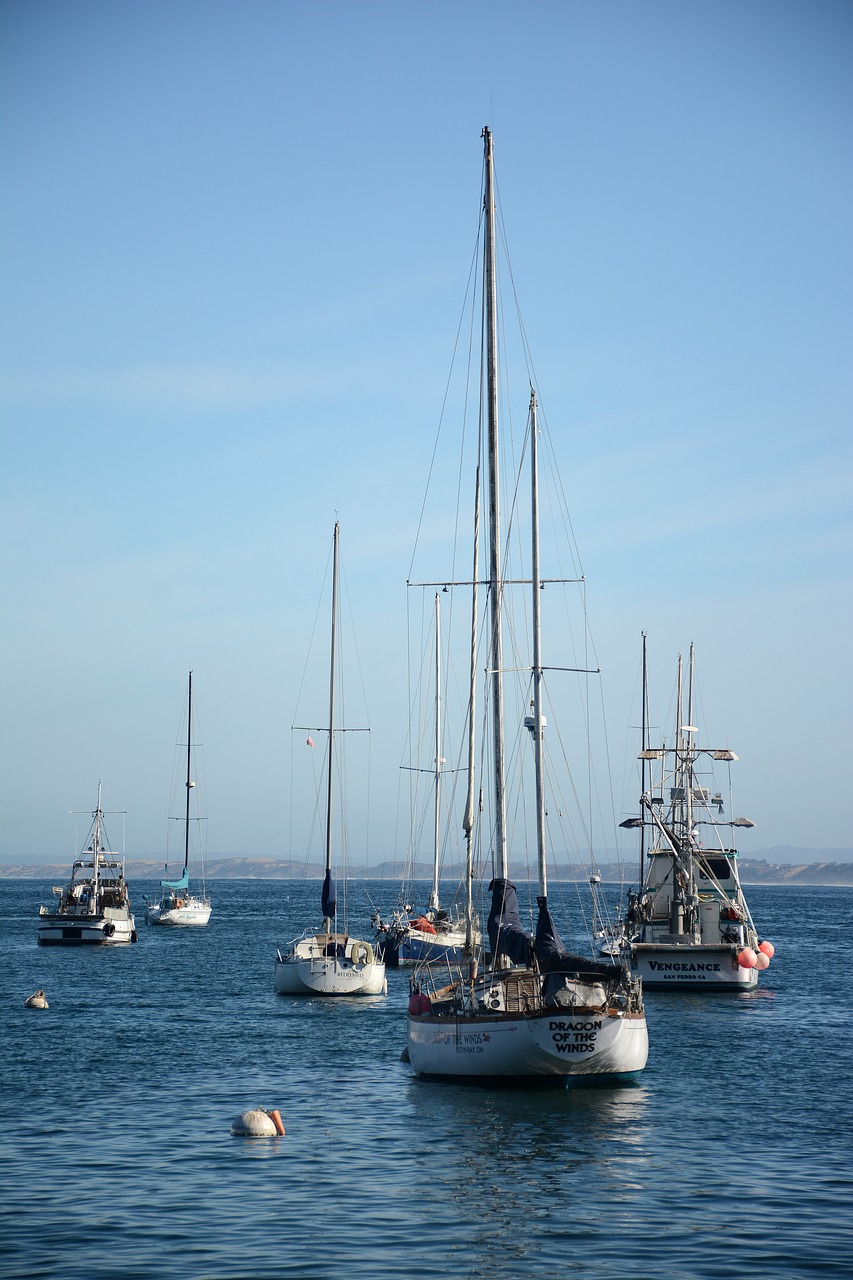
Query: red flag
[310,741]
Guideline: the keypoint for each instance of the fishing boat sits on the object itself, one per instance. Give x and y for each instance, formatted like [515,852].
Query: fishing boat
[94,906]
[178,905]
[529,1010]
[438,933]
[329,961]
[688,927]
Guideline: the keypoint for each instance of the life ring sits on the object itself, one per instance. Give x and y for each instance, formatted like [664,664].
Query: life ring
[109,929]
[361,953]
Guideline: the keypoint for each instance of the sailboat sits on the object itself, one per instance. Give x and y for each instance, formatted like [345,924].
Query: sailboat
[435,934]
[530,1011]
[328,961]
[94,906]
[689,926]
[178,905]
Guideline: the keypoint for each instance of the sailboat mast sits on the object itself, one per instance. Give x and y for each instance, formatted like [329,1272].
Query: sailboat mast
[96,851]
[189,772]
[537,653]
[468,820]
[433,897]
[644,720]
[495,580]
[332,700]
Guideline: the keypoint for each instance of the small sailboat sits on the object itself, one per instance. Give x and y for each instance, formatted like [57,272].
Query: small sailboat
[689,927]
[178,905]
[436,934]
[94,906]
[530,1010]
[329,961]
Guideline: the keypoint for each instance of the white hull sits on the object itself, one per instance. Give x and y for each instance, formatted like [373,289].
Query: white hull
[553,1042]
[690,967]
[112,929]
[193,912]
[330,965]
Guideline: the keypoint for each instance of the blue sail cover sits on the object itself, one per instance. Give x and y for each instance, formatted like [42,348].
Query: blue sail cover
[330,897]
[183,883]
[507,935]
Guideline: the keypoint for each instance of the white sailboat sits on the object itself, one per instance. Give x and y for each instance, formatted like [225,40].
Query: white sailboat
[94,906]
[436,934]
[689,927]
[178,905]
[328,961]
[534,1012]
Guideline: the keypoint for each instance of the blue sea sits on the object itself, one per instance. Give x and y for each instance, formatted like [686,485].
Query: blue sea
[730,1158]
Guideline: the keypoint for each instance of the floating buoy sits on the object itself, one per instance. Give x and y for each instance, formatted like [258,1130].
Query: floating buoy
[768,949]
[257,1124]
[762,960]
[38,1000]
[746,958]
[275,1116]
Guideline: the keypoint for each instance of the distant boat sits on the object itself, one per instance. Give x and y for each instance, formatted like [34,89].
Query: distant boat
[529,1011]
[178,905]
[328,961]
[435,934]
[94,906]
[689,927]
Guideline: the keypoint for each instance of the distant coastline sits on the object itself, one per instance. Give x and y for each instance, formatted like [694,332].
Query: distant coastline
[752,871]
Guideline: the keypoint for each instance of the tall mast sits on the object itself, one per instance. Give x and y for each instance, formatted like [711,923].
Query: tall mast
[643,749]
[433,897]
[495,579]
[189,772]
[468,820]
[332,701]
[537,653]
[96,851]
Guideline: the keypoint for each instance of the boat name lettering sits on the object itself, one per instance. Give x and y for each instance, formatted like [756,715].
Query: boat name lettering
[575,1026]
[684,967]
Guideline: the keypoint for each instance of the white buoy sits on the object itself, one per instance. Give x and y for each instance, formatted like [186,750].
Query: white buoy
[257,1124]
[38,1000]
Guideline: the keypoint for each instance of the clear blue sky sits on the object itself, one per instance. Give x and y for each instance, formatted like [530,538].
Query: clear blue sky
[235,240]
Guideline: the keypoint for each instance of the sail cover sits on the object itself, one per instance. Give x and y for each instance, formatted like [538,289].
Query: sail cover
[555,960]
[507,936]
[183,883]
[330,897]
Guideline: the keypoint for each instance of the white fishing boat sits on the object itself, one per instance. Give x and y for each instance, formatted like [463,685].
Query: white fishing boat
[329,961]
[94,906]
[436,934]
[689,927]
[178,905]
[530,1011]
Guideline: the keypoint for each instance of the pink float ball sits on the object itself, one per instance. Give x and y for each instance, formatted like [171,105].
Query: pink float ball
[768,949]
[762,960]
[746,958]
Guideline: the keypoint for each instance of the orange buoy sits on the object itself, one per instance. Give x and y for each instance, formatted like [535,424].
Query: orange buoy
[762,960]
[746,958]
[768,949]
[275,1116]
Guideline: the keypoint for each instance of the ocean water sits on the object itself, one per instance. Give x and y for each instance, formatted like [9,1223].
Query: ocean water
[731,1158]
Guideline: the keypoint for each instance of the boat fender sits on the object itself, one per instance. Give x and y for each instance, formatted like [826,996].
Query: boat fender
[275,1116]
[361,953]
[109,929]
[134,936]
